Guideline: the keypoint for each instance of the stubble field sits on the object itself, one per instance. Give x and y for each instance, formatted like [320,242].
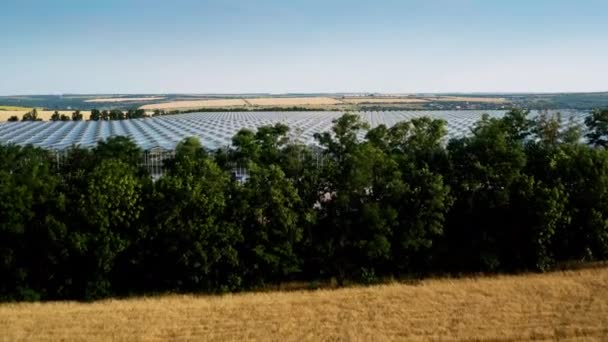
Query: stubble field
[554,306]
[42,114]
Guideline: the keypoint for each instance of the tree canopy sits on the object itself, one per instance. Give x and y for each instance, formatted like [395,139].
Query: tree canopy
[519,193]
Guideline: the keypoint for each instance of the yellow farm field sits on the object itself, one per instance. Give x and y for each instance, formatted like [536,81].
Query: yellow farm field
[468,99]
[382,100]
[125,99]
[292,101]
[556,306]
[193,104]
[43,114]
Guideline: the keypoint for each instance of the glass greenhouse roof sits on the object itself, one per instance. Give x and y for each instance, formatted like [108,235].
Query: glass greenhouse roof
[216,129]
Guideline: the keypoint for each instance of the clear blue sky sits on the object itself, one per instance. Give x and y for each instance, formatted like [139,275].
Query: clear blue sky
[279,46]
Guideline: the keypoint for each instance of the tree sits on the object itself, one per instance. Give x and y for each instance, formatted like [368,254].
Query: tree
[418,193]
[13,118]
[597,126]
[266,208]
[31,116]
[486,169]
[119,147]
[110,208]
[116,114]
[55,116]
[32,234]
[77,116]
[95,115]
[135,114]
[190,245]
[64,117]
[355,226]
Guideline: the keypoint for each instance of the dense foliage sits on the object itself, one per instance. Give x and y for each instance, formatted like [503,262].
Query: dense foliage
[518,193]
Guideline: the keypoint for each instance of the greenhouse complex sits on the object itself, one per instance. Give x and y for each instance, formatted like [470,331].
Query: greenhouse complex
[158,136]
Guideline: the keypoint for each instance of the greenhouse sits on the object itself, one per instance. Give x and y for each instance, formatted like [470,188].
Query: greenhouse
[216,129]
[158,136]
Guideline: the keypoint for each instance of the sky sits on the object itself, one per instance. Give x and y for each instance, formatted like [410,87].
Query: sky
[302,46]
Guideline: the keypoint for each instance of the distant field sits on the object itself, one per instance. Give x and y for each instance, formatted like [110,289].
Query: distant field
[468,99]
[13,108]
[556,306]
[195,104]
[43,114]
[382,100]
[125,99]
[292,101]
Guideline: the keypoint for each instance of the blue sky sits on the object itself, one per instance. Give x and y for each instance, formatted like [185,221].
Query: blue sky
[280,46]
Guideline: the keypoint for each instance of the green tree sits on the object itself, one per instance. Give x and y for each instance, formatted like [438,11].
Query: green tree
[597,126]
[110,208]
[95,115]
[191,245]
[77,116]
[55,116]
[31,116]
[418,191]
[266,208]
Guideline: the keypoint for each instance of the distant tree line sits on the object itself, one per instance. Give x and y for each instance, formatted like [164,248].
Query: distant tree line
[116,114]
[517,194]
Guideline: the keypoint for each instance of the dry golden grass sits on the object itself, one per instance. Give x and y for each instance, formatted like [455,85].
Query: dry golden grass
[359,100]
[43,114]
[125,99]
[194,104]
[556,306]
[292,101]
[467,99]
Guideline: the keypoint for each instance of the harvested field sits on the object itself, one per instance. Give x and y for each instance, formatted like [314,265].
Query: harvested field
[293,101]
[125,99]
[194,104]
[43,114]
[383,100]
[555,306]
[467,99]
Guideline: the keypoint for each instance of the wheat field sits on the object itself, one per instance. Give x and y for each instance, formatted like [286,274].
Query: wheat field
[42,114]
[195,104]
[555,306]
[292,101]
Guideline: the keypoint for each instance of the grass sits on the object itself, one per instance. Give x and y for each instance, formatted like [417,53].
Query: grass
[560,305]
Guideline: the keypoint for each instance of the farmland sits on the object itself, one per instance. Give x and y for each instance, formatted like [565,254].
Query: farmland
[560,305]
[42,114]
[193,104]
[296,101]
[332,101]
[358,100]
[468,99]
[124,99]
